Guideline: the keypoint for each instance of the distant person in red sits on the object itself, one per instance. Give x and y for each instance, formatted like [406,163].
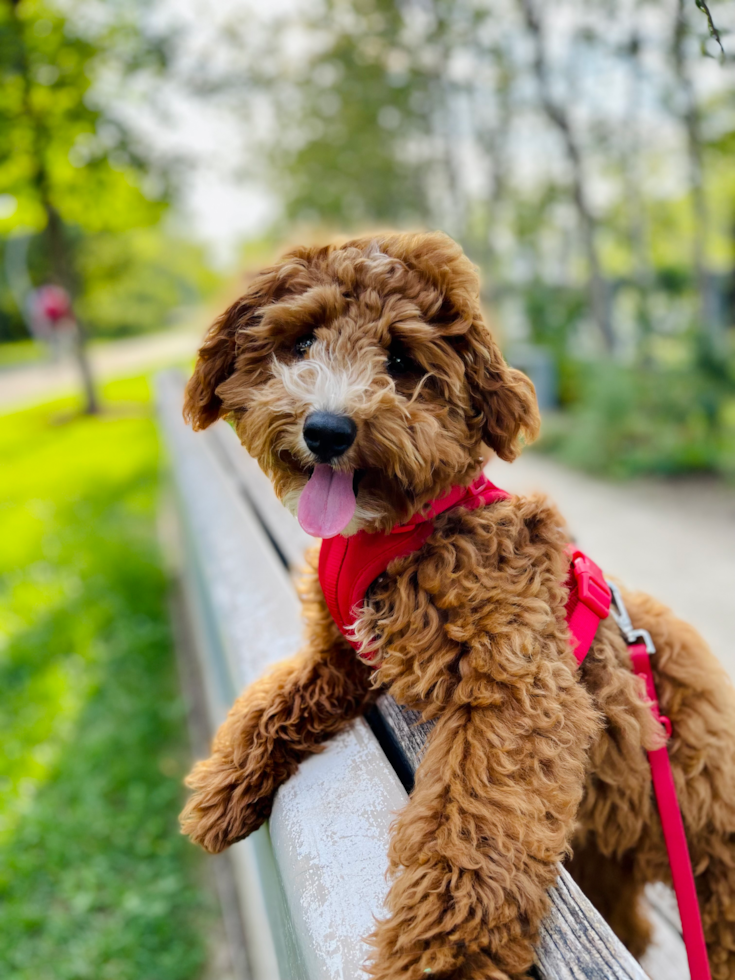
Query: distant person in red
[51,316]
[53,303]
[51,320]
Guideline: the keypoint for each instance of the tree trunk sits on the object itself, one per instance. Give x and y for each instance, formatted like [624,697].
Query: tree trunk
[596,286]
[638,231]
[690,118]
[58,250]
[61,272]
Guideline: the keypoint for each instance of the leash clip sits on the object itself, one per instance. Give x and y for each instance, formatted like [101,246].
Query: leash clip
[622,618]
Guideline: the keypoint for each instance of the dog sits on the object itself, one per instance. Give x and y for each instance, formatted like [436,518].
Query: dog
[365,382]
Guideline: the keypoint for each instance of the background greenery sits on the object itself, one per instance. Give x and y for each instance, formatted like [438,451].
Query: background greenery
[95,880]
[75,183]
[581,152]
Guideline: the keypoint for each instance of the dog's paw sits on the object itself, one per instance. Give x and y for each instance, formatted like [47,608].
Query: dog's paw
[223,809]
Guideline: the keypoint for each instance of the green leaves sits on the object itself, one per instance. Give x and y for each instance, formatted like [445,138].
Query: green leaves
[57,146]
[631,421]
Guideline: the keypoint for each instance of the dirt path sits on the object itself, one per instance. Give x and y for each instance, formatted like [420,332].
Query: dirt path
[674,539]
[115,358]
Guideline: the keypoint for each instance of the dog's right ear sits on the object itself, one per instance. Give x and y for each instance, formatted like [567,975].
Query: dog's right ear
[223,342]
[214,365]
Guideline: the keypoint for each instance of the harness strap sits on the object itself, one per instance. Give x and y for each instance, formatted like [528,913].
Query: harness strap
[348,566]
[673,828]
[588,602]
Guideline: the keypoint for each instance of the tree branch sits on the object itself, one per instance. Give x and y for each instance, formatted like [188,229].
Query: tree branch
[701,5]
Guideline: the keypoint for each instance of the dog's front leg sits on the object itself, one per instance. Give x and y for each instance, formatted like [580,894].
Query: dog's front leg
[272,726]
[476,849]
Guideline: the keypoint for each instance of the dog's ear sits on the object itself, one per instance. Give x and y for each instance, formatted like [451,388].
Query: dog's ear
[503,397]
[217,355]
[215,361]
[504,400]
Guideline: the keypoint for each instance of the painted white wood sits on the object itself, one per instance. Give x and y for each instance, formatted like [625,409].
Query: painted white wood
[330,828]
[256,612]
[216,647]
[665,958]
[284,527]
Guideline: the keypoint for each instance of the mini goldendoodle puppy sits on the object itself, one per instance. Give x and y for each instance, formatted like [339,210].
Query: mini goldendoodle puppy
[364,381]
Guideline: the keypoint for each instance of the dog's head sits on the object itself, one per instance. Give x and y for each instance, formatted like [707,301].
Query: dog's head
[363,379]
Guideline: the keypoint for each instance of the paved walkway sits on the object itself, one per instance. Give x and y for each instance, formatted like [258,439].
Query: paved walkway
[114,358]
[673,539]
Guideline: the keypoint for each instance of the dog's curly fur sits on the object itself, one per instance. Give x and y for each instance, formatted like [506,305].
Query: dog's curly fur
[529,755]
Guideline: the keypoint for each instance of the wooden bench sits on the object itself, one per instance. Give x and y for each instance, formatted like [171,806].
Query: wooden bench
[312,881]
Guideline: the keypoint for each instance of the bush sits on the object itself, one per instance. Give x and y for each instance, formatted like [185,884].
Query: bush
[630,421]
[134,282]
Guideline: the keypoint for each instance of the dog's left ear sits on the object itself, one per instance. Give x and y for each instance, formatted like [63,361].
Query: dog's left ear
[503,397]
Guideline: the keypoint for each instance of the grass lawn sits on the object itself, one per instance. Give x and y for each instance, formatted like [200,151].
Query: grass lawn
[95,880]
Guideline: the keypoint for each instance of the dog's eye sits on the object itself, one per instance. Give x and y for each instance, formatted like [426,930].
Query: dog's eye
[399,362]
[303,344]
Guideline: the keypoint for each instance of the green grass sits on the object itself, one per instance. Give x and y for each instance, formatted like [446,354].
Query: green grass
[95,880]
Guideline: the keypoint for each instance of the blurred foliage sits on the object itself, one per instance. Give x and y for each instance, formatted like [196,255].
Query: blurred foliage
[347,116]
[72,176]
[95,880]
[58,148]
[584,159]
[627,421]
[129,282]
[21,352]
[582,155]
[552,313]
[137,280]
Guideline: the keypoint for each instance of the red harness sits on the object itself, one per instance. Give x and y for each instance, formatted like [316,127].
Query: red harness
[348,566]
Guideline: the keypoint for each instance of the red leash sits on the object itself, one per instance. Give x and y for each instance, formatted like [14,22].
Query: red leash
[348,566]
[641,648]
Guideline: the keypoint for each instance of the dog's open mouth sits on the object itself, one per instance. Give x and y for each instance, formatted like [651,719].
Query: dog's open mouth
[327,502]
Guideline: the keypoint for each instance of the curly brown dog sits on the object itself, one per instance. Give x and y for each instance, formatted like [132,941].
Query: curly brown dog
[529,755]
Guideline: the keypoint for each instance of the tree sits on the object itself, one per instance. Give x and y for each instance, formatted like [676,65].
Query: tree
[65,161]
[542,140]
[347,115]
[690,114]
[558,116]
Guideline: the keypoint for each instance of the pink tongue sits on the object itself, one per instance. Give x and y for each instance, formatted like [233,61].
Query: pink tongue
[327,502]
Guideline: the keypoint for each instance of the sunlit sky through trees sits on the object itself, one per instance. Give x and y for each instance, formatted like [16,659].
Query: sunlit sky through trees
[238,69]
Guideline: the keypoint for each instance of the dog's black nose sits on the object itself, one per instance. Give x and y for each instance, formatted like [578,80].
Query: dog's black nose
[328,436]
